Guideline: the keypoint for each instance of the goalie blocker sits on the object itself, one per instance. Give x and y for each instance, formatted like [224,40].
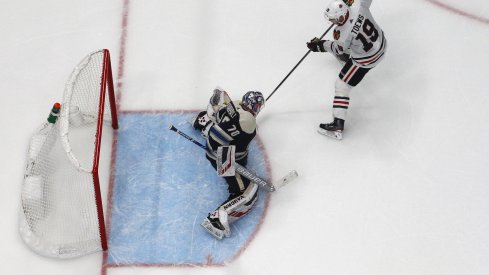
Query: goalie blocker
[226,159]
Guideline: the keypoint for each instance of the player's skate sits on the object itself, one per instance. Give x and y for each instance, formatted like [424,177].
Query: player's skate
[333,129]
[217,224]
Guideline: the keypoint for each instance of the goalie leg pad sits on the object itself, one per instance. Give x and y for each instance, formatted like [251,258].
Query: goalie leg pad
[240,205]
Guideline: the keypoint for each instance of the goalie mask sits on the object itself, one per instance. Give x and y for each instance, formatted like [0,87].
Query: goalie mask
[337,12]
[253,101]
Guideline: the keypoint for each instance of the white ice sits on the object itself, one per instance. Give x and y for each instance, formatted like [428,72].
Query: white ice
[405,192]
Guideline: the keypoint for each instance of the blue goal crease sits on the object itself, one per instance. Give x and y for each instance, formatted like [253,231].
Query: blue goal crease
[163,189]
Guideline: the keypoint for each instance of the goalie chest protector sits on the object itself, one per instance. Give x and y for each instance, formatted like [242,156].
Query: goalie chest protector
[232,128]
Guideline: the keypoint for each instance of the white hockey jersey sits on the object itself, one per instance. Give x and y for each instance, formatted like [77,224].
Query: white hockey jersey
[360,37]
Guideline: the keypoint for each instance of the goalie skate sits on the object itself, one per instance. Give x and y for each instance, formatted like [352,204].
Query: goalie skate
[217,225]
[217,233]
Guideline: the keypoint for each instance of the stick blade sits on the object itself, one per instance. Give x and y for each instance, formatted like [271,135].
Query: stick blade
[292,175]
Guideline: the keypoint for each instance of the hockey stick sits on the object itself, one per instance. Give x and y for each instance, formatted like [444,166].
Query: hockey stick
[300,61]
[174,129]
[244,171]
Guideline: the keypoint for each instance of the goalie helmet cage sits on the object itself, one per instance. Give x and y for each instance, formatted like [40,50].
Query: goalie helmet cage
[62,213]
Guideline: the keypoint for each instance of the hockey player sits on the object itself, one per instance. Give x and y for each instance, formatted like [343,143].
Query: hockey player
[225,123]
[359,45]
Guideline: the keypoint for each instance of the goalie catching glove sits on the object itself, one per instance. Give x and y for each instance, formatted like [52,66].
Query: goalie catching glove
[219,99]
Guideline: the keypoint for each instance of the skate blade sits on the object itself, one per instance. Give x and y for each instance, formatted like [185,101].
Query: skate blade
[333,134]
[218,234]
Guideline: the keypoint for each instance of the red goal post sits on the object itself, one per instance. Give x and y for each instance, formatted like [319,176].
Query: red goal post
[62,212]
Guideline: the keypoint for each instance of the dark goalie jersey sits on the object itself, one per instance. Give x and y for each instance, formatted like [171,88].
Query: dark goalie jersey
[234,126]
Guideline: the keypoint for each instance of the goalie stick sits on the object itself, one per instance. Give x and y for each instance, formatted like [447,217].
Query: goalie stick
[244,171]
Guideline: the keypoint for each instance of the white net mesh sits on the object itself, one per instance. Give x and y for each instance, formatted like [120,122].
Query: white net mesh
[59,215]
[79,112]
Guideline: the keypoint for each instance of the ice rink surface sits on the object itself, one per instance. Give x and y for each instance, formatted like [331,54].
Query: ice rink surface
[405,192]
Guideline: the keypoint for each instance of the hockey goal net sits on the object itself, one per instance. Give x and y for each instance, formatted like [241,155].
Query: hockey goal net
[62,213]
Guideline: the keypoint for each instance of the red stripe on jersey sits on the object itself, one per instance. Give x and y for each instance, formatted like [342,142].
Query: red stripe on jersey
[371,60]
[341,102]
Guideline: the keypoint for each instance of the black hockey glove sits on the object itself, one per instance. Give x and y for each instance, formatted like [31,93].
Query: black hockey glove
[201,121]
[316,45]
[344,57]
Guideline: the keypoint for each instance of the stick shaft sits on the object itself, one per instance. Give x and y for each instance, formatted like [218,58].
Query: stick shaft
[297,65]
[174,129]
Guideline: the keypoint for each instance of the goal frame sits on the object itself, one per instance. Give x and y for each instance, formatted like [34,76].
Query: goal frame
[62,213]
[107,81]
